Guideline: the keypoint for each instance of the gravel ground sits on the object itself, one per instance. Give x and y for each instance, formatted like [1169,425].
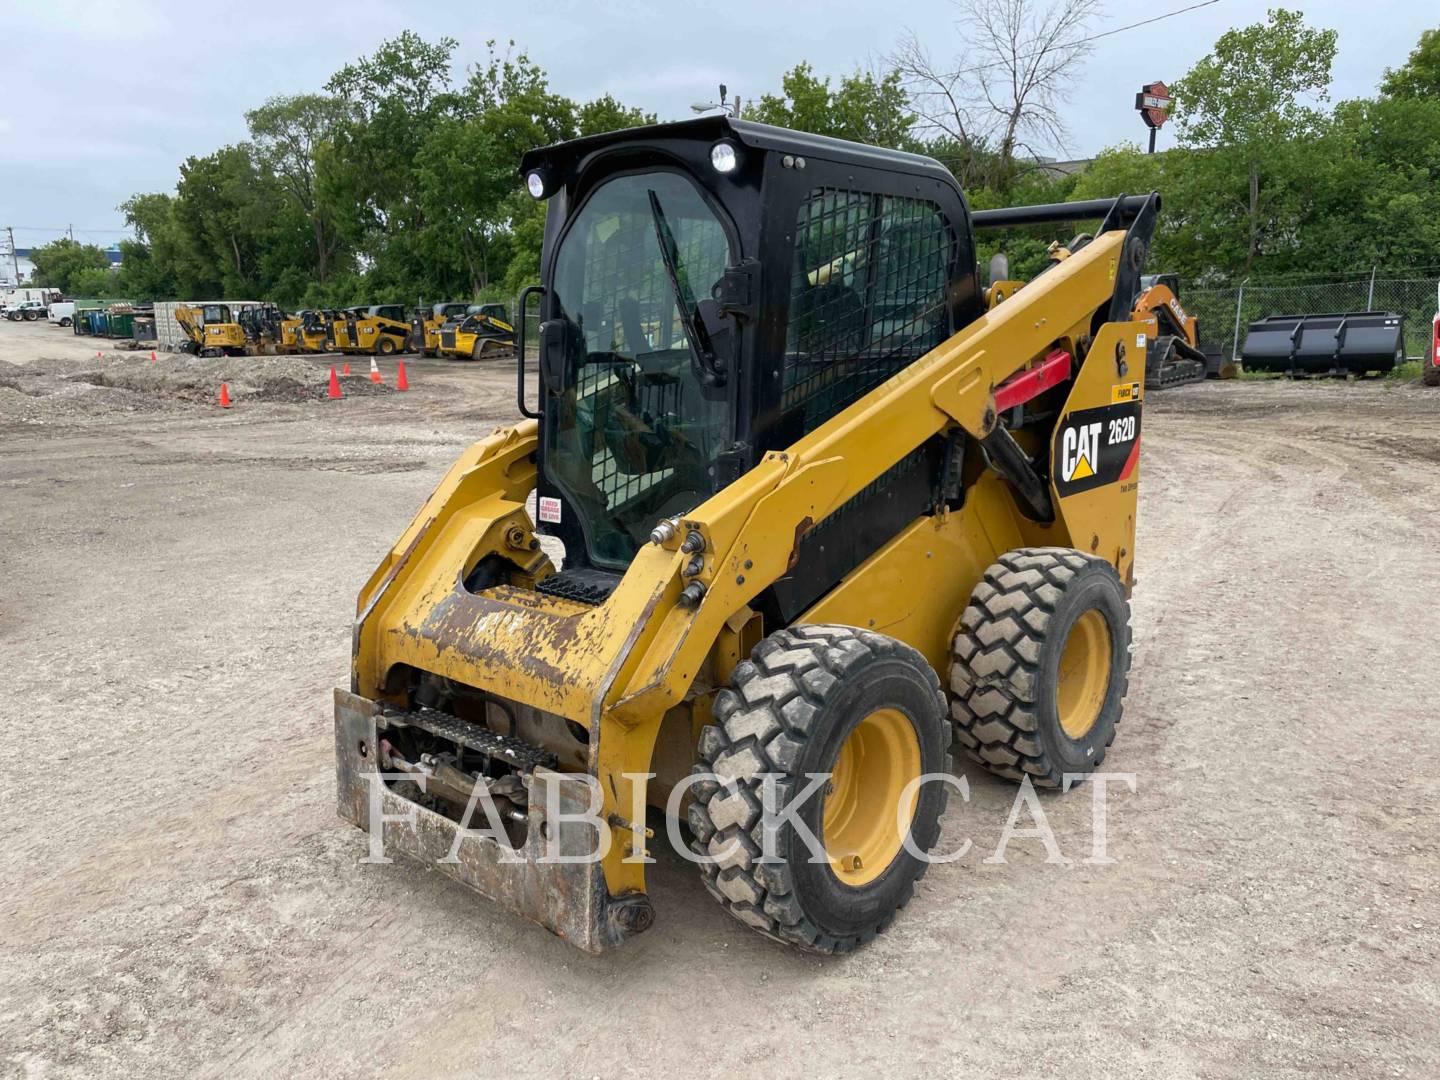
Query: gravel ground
[178,896]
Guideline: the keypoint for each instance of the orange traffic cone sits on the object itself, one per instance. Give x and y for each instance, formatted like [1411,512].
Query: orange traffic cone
[375,371]
[402,383]
[334,384]
[345,370]
[224,395]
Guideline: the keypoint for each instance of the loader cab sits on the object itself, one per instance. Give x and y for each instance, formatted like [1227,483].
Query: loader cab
[393,312]
[712,290]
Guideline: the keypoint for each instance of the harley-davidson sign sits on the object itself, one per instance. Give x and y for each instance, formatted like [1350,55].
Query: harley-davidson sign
[1153,102]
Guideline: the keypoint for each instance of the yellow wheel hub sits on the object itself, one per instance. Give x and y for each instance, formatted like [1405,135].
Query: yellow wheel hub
[1084,674]
[862,808]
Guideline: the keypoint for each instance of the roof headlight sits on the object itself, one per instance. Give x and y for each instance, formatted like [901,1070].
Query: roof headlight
[723,157]
[535,183]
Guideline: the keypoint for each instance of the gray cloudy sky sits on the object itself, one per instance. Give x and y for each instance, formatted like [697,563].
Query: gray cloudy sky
[101,100]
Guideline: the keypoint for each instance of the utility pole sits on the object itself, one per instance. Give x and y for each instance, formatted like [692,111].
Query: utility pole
[14,258]
[70,229]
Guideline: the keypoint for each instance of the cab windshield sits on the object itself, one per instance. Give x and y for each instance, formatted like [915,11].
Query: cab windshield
[632,434]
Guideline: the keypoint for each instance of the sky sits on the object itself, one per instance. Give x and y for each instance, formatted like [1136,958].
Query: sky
[100,100]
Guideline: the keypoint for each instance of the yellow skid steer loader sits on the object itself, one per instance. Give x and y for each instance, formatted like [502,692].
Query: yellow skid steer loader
[824,518]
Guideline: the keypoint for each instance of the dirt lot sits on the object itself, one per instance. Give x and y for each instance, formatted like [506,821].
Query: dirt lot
[177,895]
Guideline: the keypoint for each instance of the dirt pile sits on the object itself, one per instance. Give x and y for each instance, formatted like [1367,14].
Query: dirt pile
[53,389]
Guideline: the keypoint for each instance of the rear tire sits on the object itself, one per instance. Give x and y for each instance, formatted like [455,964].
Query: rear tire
[1040,665]
[1431,375]
[385,346]
[866,709]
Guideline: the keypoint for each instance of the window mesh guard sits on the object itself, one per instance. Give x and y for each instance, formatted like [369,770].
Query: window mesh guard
[868,296]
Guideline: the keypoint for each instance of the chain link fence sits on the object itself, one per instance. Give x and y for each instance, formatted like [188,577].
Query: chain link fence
[1224,314]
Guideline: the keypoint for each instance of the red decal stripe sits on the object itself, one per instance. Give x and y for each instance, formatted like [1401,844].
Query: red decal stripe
[1132,460]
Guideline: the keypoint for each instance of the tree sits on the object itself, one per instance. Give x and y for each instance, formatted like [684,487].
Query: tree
[1419,76]
[231,215]
[606,114]
[61,264]
[286,133]
[1249,99]
[863,108]
[1004,89]
[150,263]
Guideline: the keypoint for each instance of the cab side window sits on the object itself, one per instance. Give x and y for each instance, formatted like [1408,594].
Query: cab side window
[868,296]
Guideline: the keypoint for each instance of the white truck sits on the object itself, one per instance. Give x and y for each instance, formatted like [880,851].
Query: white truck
[15,297]
[28,310]
[61,312]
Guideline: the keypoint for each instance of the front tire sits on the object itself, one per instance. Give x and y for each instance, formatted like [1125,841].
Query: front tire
[385,346]
[1040,665]
[865,709]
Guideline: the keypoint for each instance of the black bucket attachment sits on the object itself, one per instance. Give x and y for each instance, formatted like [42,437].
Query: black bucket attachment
[1351,342]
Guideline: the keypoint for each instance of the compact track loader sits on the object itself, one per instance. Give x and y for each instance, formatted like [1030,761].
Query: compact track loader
[826,515]
[480,332]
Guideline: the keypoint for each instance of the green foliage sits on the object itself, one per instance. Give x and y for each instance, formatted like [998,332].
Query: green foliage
[394,184]
[61,264]
[1419,76]
[863,108]
[400,182]
[1026,250]
[1250,91]
[288,135]
[1268,186]
[1248,100]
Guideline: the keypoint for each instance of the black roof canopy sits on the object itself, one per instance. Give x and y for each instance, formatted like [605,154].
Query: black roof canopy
[566,158]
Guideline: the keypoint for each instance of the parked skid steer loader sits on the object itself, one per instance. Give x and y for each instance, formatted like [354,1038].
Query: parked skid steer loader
[822,513]
[377,329]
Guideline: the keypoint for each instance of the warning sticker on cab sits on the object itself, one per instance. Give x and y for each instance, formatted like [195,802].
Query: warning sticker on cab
[1095,447]
[549,508]
[1124,392]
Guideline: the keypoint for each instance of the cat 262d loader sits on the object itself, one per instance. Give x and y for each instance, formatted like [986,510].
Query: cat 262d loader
[824,511]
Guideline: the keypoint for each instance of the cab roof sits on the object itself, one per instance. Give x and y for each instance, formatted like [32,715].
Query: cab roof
[567,157]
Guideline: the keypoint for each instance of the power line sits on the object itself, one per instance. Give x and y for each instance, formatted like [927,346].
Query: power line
[1085,40]
[67,228]
[1146,22]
